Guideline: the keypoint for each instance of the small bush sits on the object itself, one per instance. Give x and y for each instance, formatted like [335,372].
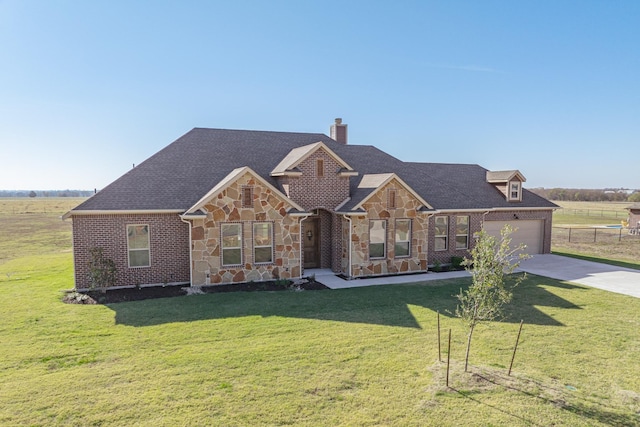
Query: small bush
[103,273]
[456,262]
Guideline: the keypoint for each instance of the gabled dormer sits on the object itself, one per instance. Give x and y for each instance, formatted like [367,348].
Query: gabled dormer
[508,182]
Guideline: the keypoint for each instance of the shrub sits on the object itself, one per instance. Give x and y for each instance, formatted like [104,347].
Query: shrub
[102,271]
[456,262]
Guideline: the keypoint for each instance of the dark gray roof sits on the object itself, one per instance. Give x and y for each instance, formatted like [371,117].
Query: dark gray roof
[463,186]
[180,174]
[177,176]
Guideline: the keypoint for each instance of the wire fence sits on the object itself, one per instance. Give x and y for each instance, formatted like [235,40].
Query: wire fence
[594,234]
[599,213]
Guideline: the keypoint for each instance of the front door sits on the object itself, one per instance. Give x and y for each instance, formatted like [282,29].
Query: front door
[311,237]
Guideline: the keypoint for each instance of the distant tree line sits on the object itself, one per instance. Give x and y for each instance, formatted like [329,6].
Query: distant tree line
[46,193]
[587,195]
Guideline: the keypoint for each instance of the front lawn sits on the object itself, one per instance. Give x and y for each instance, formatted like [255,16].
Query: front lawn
[363,356]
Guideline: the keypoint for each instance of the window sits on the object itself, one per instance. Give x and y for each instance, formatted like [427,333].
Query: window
[462,232]
[138,245]
[377,238]
[514,190]
[231,244]
[403,238]
[392,199]
[442,233]
[262,242]
[319,168]
[247,197]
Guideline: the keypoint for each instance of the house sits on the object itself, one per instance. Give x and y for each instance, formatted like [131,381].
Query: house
[230,206]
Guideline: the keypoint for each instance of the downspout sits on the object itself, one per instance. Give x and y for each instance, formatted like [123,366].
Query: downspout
[348,218]
[190,250]
[483,218]
[300,238]
[428,237]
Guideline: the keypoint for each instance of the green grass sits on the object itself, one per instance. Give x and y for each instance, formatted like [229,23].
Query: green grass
[625,264]
[590,213]
[365,356]
[33,226]
[611,245]
[357,357]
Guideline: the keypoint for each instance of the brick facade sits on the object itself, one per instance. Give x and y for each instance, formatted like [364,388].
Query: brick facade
[311,191]
[169,247]
[444,256]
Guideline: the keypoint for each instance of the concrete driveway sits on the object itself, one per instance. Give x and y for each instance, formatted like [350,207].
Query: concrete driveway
[602,276]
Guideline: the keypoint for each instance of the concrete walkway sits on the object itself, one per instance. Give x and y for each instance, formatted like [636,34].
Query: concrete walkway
[602,276]
[330,280]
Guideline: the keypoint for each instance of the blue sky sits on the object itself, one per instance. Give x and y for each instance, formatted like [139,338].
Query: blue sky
[88,88]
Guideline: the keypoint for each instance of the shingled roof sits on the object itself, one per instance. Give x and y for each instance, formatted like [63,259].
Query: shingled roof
[179,175]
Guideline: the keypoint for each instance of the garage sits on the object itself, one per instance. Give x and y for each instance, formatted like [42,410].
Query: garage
[529,232]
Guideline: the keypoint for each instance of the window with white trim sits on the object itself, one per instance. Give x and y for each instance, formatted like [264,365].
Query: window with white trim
[262,242]
[462,232]
[231,243]
[441,233]
[515,190]
[138,245]
[403,238]
[377,238]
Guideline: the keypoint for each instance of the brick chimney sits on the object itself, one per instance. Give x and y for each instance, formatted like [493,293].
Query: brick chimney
[339,132]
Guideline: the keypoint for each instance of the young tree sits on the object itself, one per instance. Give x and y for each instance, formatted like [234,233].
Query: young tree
[491,265]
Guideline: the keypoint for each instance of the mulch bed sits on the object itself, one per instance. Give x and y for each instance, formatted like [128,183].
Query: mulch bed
[137,294]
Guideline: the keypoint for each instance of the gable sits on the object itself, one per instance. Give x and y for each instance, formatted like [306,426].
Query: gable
[503,177]
[244,174]
[289,164]
[377,183]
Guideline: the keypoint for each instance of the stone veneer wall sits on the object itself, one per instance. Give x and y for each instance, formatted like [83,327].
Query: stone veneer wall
[169,247]
[227,207]
[377,208]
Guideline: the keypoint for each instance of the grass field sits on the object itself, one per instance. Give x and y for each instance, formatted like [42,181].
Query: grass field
[609,244]
[590,213]
[357,357]
[33,226]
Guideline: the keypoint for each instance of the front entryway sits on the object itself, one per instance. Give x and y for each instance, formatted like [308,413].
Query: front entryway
[311,237]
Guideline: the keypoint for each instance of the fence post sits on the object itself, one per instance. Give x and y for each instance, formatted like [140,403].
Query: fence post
[515,348]
[439,354]
[595,232]
[448,357]
[569,234]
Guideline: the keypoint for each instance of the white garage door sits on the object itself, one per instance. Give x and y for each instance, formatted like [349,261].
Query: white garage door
[529,232]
